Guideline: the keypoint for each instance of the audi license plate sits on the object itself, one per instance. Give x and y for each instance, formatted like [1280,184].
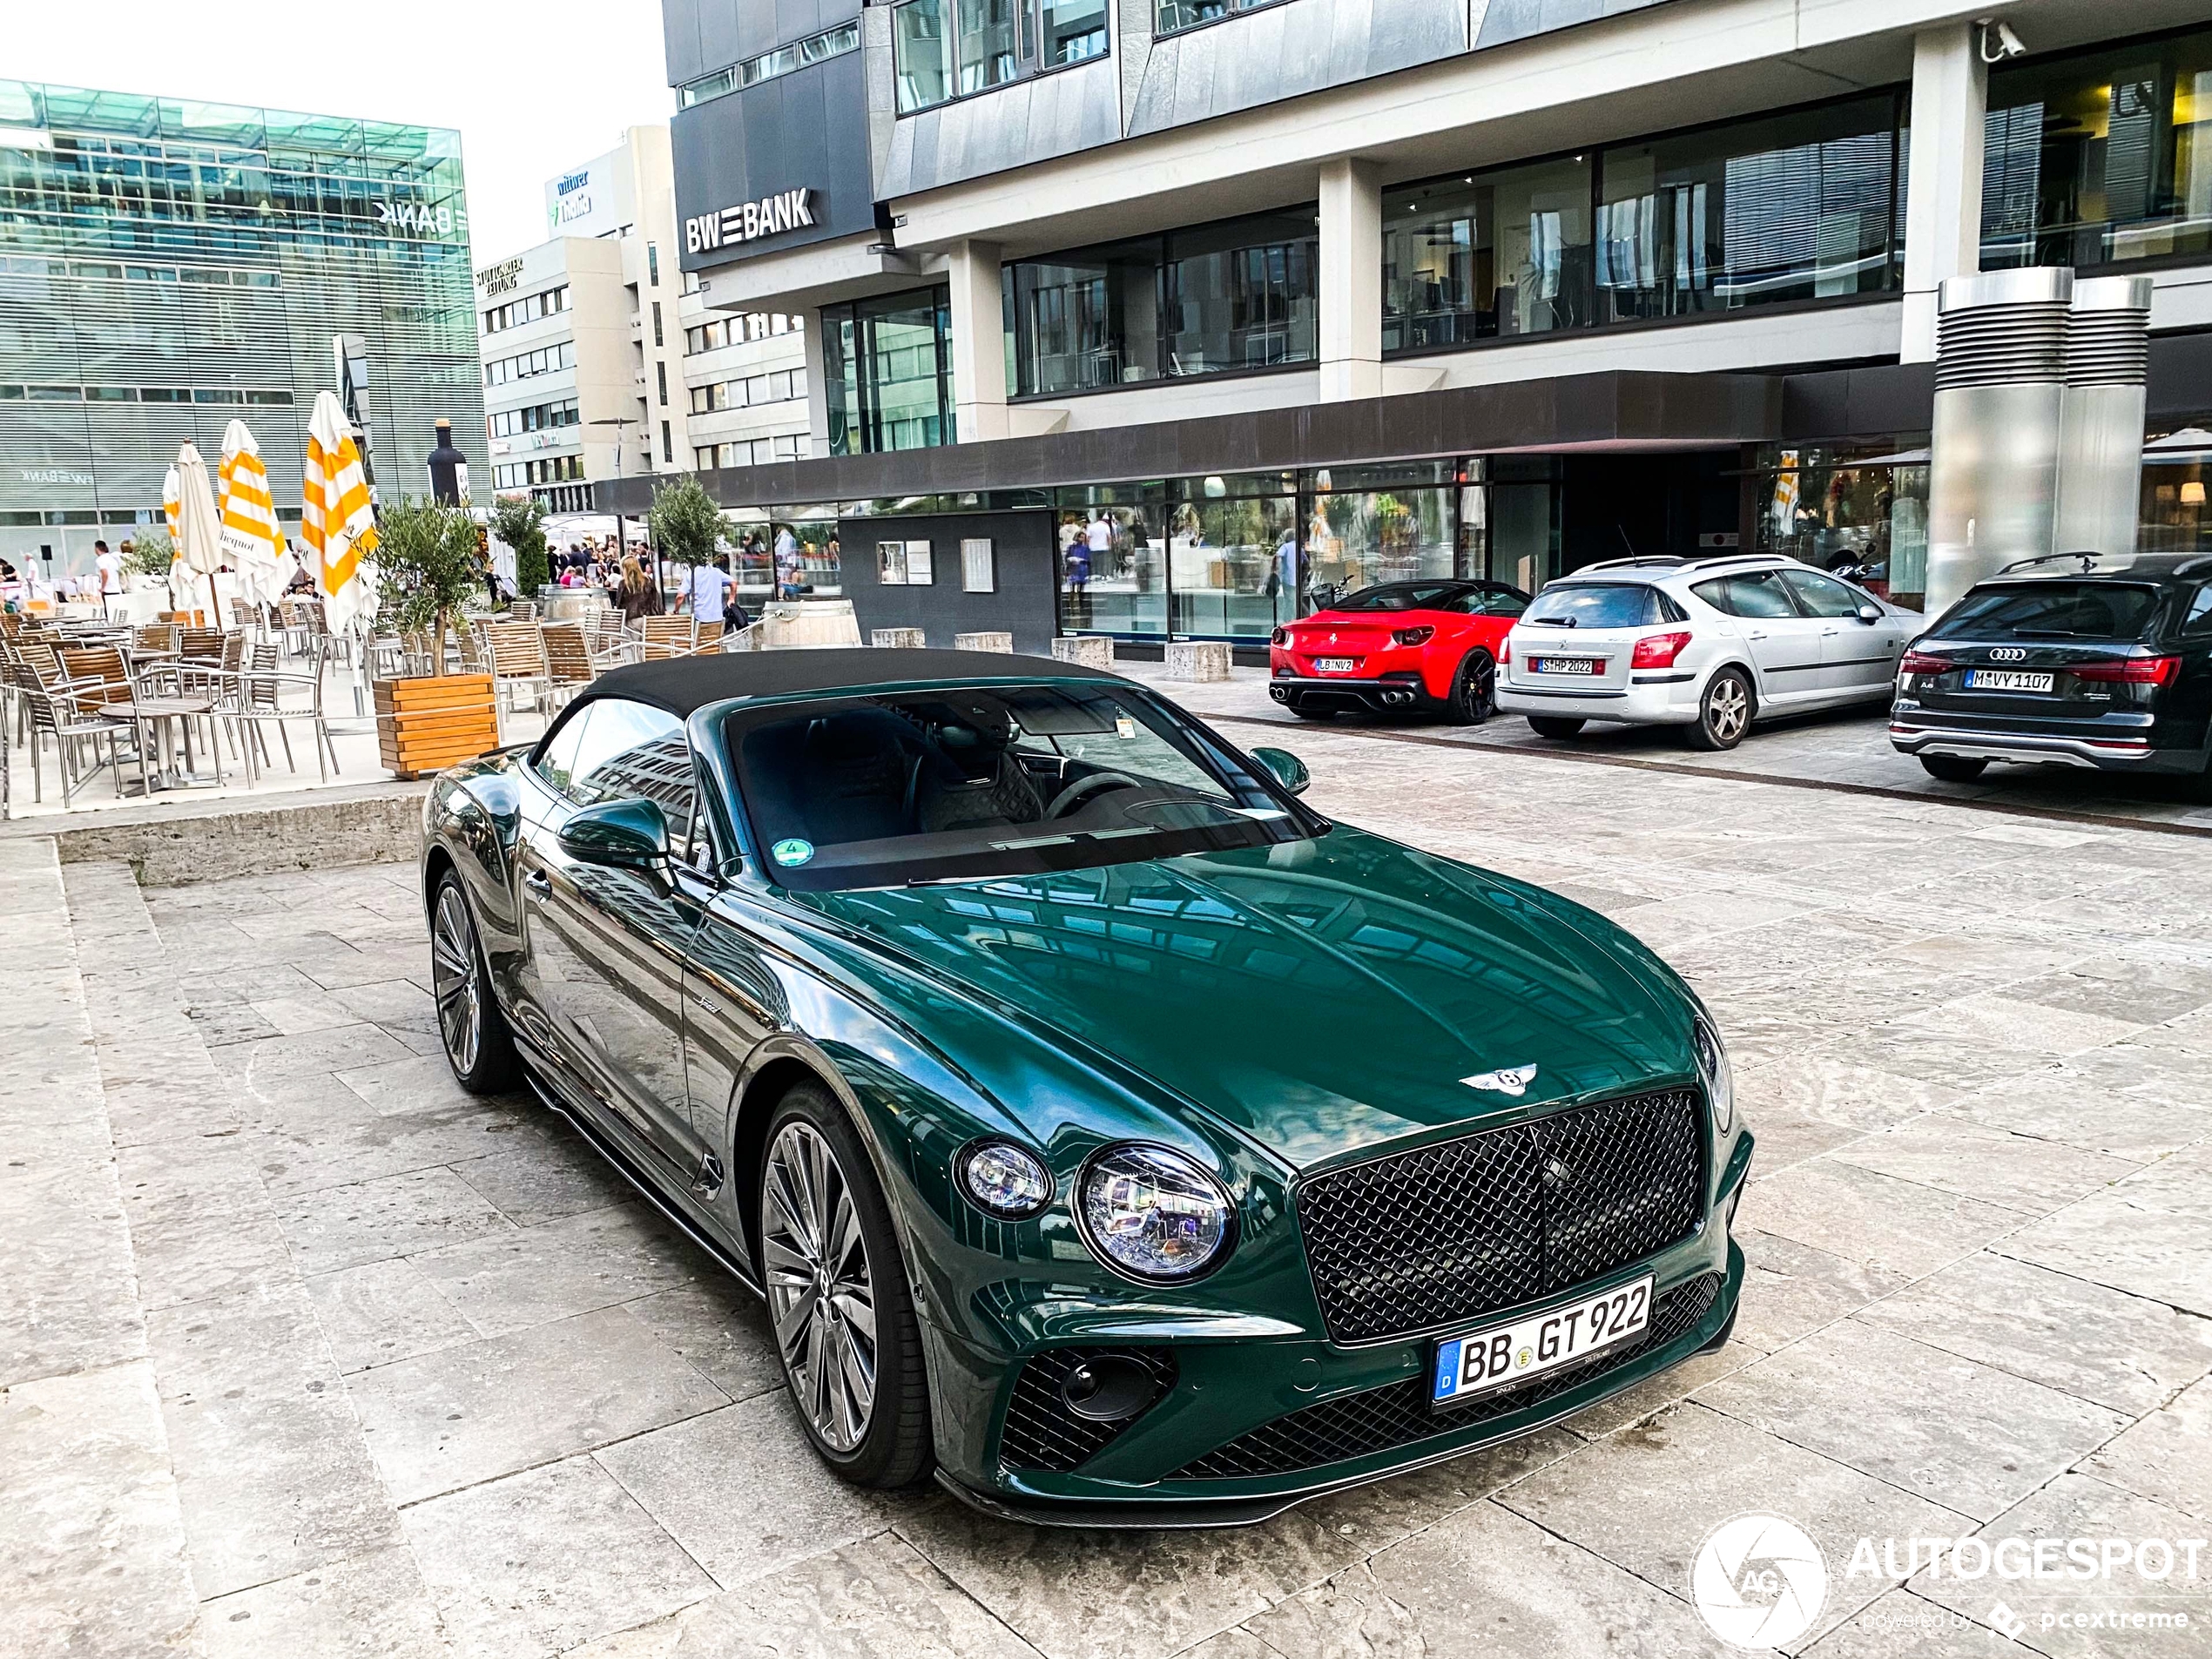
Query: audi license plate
[1567,664]
[1503,1354]
[2006,679]
[1345,665]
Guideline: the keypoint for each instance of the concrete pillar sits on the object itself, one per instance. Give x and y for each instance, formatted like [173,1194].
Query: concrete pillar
[1943,207]
[817,385]
[978,341]
[1351,277]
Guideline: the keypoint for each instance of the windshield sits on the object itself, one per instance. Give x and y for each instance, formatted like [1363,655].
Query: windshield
[1406,596]
[1596,604]
[964,784]
[2051,611]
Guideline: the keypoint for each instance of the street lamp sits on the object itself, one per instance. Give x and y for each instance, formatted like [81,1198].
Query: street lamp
[618,421]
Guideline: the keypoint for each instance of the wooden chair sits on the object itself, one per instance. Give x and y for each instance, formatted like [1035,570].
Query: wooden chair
[203,644]
[517,659]
[157,636]
[667,636]
[52,707]
[569,667]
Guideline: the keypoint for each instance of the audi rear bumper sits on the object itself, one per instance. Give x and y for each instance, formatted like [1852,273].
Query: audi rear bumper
[2039,748]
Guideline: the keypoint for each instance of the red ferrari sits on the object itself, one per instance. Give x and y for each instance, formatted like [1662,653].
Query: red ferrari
[1404,645]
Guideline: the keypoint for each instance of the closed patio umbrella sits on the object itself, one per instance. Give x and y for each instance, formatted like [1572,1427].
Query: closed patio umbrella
[251,543]
[199,528]
[336,521]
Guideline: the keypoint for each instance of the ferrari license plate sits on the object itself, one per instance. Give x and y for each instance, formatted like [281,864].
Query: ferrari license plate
[1336,665]
[1567,664]
[1503,1354]
[2006,679]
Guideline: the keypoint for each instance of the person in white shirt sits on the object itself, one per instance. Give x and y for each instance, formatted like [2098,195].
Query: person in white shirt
[109,567]
[1100,535]
[712,587]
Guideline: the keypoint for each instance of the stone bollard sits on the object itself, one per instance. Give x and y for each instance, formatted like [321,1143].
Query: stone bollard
[1000,644]
[1198,660]
[1092,651]
[897,639]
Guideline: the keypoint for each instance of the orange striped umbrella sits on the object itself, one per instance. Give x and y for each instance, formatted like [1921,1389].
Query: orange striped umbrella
[250,538]
[336,520]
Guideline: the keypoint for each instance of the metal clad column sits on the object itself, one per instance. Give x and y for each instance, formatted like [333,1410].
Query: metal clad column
[2000,392]
[2100,442]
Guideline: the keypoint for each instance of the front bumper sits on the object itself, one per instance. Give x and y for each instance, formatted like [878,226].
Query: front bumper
[1228,1391]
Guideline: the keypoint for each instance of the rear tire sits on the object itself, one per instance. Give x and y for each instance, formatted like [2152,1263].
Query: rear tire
[865,1327]
[1724,713]
[1955,769]
[1561,726]
[479,1045]
[1474,690]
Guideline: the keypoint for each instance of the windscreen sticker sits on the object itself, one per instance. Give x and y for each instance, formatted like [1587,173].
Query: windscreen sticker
[1124,726]
[793,852]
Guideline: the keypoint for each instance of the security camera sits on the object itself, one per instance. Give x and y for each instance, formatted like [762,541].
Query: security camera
[1999,42]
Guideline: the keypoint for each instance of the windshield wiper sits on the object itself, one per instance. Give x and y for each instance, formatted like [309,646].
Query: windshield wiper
[1551,622]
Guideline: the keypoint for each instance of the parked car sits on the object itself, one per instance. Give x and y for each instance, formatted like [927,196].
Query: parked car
[1104,1129]
[1402,646]
[1707,645]
[2072,660]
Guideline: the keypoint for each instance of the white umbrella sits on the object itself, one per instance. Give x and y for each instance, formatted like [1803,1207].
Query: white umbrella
[336,520]
[252,543]
[200,531]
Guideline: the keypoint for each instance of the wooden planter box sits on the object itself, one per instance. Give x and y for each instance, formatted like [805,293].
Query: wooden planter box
[424,726]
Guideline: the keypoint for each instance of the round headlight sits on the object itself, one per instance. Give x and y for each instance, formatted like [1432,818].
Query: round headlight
[1153,1214]
[1005,1180]
[1712,1060]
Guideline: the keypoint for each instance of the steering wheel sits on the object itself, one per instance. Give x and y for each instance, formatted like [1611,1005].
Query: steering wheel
[1084,788]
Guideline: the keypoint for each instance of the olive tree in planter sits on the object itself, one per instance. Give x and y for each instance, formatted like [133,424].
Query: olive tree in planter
[427,555]
[519,521]
[687,528]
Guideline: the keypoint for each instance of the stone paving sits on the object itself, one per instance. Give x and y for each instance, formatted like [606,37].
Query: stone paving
[302,1351]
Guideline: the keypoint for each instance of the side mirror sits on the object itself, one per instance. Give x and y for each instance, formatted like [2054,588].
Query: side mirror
[1286,768]
[630,835]
[1870,613]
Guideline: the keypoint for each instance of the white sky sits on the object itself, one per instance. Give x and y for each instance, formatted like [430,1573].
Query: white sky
[535,87]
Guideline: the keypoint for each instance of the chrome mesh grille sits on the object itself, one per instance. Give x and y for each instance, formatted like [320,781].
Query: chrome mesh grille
[1450,1232]
[1398,1413]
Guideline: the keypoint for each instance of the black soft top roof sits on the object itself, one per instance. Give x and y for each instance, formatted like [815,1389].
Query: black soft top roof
[685,684]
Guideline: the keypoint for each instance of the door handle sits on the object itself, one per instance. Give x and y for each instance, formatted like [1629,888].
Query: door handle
[539,883]
[706,1004]
[1756,633]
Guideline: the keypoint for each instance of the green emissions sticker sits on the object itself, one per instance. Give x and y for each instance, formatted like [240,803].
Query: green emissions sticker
[792,852]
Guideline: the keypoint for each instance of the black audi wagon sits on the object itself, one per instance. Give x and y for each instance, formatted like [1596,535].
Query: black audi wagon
[2076,659]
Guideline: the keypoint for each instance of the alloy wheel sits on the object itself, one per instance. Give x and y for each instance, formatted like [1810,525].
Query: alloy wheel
[821,1294]
[454,980]
[1728,710]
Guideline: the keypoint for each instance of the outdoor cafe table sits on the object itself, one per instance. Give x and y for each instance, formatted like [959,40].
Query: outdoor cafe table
[157,712]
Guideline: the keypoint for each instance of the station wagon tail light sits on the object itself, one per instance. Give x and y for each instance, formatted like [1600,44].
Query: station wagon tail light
[1922,662]
[1152,1213]
[1413,636]
[1659,650]
[2130,670]
[1003,1179]
[1505,649]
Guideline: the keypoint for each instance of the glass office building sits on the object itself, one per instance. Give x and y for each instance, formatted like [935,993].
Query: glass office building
[168,265]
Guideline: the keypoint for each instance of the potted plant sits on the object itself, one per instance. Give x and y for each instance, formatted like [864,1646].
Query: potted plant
[686,525]
[426,554]
[519,521]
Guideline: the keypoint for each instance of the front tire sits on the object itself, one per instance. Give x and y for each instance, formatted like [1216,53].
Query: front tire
[1474,690]
[1724,713]
[479,1045]
[1561,726]
[1955,769]
[838,1296]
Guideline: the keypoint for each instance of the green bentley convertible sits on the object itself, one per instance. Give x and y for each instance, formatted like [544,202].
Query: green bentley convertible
[1107,1131]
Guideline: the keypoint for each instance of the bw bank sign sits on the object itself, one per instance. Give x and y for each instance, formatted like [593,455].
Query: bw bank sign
[791,210]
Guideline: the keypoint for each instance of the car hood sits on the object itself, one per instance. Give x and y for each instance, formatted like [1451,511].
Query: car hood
[1317,998]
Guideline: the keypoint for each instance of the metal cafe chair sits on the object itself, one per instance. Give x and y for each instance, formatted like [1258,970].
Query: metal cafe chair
[52,709]
[256,700]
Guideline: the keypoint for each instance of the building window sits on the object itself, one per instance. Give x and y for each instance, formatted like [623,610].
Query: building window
[2100,157]
[922,53]
[652,263]
[1789,207]
[667,445]
[1071,31]
[815,49]
[1186,14]
[947,49]
[658,339]
[1241,293]
[660,369]
[989,53]
[888,369]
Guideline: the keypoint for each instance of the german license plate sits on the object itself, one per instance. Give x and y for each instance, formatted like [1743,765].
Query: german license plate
[1567,664]
[1503,1354]
[2006,679]
[1345,665]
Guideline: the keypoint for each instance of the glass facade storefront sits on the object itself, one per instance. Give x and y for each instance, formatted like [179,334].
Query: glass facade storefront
[888,372]
[1859,510]
[2100,157]
[1797,206]
[166,266]
[1238,294]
